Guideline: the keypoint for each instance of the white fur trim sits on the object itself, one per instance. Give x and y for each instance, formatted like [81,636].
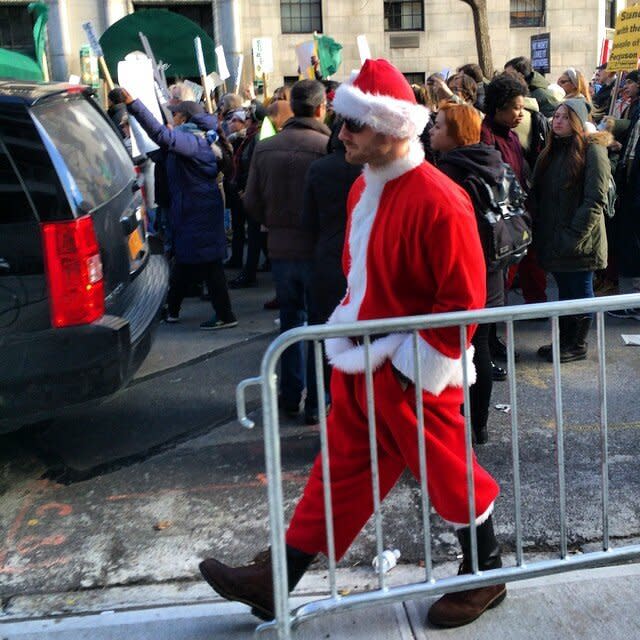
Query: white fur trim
[362,218]
[397,118]
[483,517]
[438,370]
[349,358]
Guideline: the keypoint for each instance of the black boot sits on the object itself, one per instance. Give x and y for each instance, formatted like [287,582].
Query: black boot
[567,332]
[463,607]
[577,348]
[253,583]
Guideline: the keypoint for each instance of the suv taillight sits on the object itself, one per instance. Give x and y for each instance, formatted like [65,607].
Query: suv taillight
[74,272]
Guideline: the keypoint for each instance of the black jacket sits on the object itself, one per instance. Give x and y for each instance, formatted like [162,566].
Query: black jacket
[486,163]
[324,215]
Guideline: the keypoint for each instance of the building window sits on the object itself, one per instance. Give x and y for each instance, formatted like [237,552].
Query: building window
[610,13]
[528,13]
[300,16]
[404,15]
[414,77]
[16,28]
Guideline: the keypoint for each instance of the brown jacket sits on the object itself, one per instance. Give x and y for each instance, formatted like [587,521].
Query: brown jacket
[275,188]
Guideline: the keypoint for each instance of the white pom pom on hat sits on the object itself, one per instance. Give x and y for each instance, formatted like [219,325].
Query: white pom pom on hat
[380,97]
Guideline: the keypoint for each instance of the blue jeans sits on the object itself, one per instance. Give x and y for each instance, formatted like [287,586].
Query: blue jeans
[573,285]
[292,279]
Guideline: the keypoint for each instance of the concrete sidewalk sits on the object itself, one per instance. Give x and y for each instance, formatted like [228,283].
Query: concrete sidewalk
[588,605]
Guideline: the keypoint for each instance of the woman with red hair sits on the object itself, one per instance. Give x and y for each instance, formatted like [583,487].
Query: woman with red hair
[456,136]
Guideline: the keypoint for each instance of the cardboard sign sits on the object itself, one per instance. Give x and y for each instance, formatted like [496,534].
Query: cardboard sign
[626,41]
[262,49]
[541,52]
[223,70]
[363,48]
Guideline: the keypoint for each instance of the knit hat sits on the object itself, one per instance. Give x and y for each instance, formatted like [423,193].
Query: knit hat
[580,107]
[632,75]
[380,96]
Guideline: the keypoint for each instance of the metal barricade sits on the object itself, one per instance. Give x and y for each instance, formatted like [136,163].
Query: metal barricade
[287,620]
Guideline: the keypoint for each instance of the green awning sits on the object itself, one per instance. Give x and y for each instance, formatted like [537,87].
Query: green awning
[170,36]
[18,66]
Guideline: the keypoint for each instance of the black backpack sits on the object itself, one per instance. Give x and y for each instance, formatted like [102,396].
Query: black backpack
[503,220]
[540,130]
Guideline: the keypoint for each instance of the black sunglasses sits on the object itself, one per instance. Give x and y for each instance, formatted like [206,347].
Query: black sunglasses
[353,126]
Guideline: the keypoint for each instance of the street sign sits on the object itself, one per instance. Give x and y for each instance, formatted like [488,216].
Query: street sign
[262,56]
[541,52]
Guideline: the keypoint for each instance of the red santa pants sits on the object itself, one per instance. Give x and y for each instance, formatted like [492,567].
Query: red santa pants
[350,464]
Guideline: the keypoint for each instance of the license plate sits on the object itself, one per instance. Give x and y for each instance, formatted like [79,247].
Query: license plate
[136,244]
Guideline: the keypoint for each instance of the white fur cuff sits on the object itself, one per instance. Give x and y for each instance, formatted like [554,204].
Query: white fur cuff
[483,517]
[350,358]
[438,370]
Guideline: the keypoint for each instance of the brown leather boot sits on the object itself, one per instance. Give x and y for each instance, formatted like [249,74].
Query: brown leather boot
[253,583]
[463,607]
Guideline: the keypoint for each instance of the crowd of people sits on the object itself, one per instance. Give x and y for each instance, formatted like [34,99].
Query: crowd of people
[362,199]
[287,196]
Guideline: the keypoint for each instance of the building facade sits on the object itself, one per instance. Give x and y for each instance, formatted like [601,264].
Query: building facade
[419,37]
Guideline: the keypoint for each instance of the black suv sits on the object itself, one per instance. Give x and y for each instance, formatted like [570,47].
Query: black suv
[80,292]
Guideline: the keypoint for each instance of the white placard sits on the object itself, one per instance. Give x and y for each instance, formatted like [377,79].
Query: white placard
[223,70]
[213,80]
[136,76]
[632,339]
[363,48]
[197,43]
[262,56]
[304,51]
[239,72]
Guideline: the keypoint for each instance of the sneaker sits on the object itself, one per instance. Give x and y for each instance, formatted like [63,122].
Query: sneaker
[625,314]
[172,319]
[214,323]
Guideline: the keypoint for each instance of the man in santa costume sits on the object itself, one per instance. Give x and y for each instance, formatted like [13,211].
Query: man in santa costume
[412,248]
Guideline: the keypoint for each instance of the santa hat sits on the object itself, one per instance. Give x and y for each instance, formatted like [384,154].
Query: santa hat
[380,97]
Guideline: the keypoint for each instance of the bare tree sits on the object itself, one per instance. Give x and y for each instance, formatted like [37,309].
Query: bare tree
[481,27]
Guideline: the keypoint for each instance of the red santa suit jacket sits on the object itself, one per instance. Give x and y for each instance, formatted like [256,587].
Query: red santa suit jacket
[412,248]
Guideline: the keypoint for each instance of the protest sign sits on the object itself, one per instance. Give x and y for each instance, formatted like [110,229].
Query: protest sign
[239,72]
[304,51]
[197,43]
[223,70]
[97,51]
[135,74]
[196,88]
[626,41]
[541,52]
[262,56]
[363,48]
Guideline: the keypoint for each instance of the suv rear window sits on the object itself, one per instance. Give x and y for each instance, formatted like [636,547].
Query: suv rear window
[91,161]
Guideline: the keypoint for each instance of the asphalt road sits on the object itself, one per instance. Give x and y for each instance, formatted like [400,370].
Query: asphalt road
[138,491]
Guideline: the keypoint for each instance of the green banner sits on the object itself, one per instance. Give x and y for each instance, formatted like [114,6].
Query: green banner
[329,55]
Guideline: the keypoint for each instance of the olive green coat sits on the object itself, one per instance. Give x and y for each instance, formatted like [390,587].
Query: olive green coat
[568,221]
